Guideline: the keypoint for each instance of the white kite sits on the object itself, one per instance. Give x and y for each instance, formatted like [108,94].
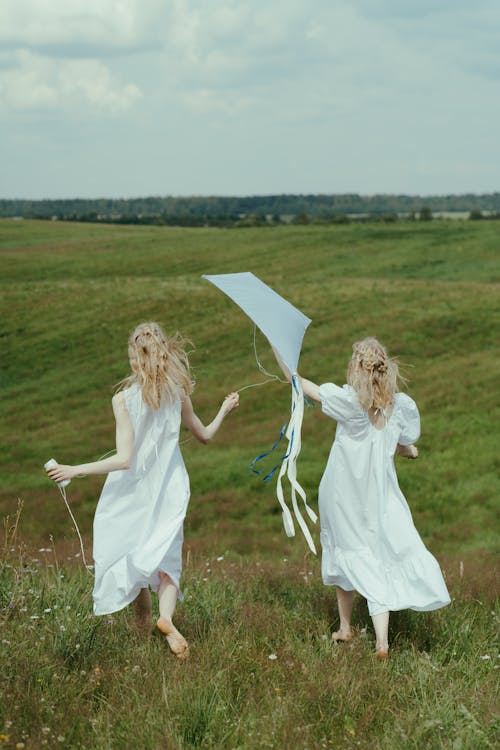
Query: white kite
[284,326]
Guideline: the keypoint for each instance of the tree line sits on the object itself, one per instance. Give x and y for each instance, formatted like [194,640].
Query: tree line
[253,210]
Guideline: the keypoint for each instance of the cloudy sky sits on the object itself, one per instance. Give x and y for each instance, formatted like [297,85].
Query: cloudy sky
[125,98]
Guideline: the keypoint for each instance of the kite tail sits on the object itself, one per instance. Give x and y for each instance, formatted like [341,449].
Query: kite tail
[289,466]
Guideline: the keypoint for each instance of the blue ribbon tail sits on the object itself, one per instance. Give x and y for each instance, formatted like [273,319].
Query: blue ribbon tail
[268,453]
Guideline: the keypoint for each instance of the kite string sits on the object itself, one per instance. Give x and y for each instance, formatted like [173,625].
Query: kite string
[261,367]
[88,567]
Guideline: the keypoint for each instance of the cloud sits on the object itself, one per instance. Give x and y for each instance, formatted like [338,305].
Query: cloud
[330,94]
[105,24]
[35,82]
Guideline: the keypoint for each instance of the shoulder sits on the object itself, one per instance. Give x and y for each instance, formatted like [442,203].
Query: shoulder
[405,402]
[332,390]
[406,408]
[119,402]
[340,403]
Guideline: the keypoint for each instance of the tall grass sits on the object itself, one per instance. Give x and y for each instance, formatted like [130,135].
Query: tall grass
[263,671]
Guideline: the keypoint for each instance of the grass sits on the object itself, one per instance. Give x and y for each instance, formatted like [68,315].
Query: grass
[69,296]
[262,674]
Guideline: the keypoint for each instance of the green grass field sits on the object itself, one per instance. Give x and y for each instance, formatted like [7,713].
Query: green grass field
[70,295]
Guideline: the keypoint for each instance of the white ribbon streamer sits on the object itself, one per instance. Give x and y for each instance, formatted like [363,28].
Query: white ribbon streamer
[289,467]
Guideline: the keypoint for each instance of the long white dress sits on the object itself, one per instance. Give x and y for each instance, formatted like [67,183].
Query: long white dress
[369,542]
[138,525]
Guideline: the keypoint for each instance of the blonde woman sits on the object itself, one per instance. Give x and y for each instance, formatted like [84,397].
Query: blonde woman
[138,525]
[369,543]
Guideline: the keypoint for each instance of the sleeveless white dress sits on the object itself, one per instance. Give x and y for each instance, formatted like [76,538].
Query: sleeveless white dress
[138,524]
[369,543]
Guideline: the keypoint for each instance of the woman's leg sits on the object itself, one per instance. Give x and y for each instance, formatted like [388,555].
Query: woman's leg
[142,611]
[345,600]
[381,625]
[167,598]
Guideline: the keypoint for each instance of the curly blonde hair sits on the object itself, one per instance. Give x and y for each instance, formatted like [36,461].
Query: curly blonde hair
[373,374]
[159,364]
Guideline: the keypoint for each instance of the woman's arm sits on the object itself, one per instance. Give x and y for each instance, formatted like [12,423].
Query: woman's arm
[195,425]
[310,389]
[118,462]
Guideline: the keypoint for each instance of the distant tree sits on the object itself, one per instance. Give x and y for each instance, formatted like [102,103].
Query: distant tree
[301,218]
[475,215]
[425,214]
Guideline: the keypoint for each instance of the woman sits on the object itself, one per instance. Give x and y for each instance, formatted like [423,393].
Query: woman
[138,525]
[369,543]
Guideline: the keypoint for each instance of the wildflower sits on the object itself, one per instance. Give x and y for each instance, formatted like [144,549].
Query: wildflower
[34,617]
[4,738]
[486,657]
[45,730]
[47,610]
[20,745]
[272,657]
[220,558]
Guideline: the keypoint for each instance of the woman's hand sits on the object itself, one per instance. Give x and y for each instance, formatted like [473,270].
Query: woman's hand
[232,401]
[61,472]
[407,451]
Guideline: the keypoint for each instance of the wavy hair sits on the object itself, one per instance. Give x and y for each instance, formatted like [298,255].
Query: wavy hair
[373,374]
[159,364]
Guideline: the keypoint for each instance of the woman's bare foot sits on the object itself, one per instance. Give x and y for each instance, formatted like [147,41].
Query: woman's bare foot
[176,641]
[142,611]
[342,635]
[382,653]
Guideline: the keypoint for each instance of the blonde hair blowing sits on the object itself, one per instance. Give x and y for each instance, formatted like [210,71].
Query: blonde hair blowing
[159,364]
[373,374]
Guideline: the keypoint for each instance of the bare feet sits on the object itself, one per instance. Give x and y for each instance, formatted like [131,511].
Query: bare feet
[176,641]
[382,654]
[342,635]
[142,611]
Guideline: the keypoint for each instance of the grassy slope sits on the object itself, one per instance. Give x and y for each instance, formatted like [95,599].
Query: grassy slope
[70,294]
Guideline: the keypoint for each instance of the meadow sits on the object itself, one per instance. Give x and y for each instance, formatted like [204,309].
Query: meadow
[263,671]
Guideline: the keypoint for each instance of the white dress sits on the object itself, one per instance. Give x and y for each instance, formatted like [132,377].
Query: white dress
[369,543]
[138,525]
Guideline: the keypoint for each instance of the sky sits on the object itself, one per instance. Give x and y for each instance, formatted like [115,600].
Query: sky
[127,98]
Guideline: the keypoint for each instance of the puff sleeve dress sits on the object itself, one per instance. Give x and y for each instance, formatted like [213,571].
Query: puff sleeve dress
[369,542]
[138,525]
